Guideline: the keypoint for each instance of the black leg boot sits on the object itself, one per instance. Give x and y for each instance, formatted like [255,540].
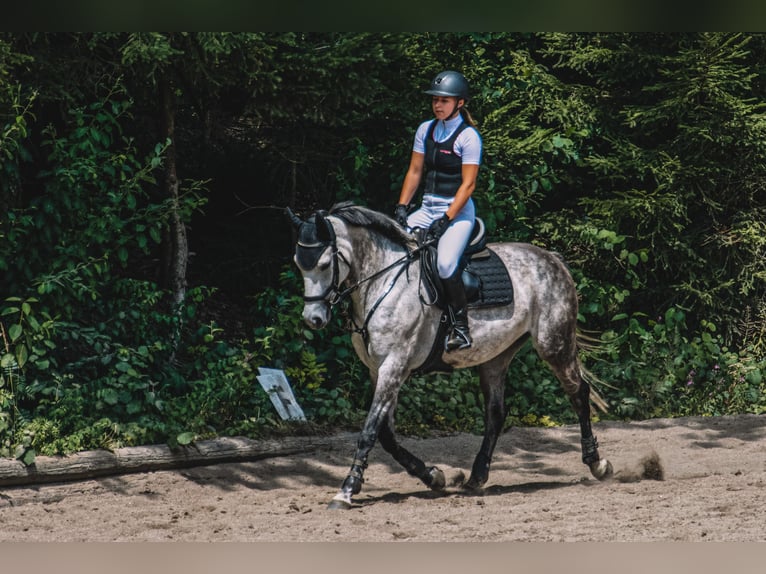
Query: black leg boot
[459,337]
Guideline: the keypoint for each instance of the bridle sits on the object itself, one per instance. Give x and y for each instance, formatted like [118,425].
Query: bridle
[333,295]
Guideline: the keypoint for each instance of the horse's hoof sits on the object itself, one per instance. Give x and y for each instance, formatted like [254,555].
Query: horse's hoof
[602,469]
[438,482]
[472,485]
[340,501]
[338,505]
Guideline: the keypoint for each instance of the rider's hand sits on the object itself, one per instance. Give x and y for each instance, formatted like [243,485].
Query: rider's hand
[438,227]
[400,214]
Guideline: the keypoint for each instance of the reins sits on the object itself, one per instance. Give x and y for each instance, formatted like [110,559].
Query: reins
[334,296]
[405,261]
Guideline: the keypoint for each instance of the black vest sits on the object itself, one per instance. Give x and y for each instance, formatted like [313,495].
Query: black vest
[443,168]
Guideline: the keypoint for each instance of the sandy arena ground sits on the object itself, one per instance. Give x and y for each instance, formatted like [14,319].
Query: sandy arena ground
[713,488]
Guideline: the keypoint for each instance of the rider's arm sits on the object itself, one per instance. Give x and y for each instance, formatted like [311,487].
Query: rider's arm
[412,178]
[470,172]
[470,145]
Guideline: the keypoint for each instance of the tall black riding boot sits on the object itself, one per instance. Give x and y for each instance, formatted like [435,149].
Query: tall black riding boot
[459,337]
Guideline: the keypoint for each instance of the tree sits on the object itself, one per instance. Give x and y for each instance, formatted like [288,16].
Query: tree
[679,165]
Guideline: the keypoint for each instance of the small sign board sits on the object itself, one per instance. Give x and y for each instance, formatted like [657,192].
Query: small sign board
[274,382]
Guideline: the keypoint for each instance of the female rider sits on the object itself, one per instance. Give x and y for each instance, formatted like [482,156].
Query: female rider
[445,163]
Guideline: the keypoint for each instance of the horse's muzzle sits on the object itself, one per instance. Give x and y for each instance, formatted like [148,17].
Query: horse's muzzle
[316,316]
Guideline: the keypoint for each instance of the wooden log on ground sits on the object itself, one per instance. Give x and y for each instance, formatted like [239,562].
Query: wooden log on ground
[96,463]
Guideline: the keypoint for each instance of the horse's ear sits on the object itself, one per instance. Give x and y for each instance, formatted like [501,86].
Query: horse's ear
[294,219]
[325,232]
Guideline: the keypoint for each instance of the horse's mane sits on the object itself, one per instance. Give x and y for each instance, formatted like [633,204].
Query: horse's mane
[371,219]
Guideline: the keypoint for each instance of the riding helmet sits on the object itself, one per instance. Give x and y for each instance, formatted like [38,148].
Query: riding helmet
[449,83]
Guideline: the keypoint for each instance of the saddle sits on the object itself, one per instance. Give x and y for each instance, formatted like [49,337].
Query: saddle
[485,277]
[486,281]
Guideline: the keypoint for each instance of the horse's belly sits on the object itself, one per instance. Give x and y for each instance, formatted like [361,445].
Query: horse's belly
[493,331]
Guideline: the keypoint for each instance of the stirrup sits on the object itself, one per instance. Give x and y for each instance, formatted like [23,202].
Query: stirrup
[457,340]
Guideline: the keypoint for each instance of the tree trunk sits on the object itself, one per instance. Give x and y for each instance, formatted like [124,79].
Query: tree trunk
[176,248]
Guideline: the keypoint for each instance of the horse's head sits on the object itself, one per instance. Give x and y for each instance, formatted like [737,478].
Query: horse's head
[317,258]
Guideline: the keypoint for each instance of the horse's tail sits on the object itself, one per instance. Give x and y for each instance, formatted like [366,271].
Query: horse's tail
[598,401]
[591,344]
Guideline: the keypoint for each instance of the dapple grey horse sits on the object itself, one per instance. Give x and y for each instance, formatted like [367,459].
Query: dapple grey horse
[352,251]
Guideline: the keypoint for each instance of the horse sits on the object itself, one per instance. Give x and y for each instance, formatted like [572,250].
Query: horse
[358,253]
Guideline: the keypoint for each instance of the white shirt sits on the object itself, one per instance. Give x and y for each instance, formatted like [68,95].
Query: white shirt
[467,145]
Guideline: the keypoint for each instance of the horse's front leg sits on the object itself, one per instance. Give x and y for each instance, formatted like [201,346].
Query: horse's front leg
[380,425]
[353,483]
[383,401]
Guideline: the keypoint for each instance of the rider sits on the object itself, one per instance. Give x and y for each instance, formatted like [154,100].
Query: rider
[445,162]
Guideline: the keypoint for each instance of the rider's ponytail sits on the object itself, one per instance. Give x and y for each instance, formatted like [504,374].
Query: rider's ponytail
[467,117]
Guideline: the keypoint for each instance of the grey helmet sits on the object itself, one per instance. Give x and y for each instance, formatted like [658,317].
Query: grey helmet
[449,83]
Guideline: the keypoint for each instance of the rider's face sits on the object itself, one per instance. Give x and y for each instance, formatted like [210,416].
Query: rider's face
[444,106]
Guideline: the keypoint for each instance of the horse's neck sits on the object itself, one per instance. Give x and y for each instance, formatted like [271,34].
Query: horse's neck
[370,257]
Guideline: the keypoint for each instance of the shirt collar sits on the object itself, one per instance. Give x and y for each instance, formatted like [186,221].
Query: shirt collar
[443,129]
[449,125]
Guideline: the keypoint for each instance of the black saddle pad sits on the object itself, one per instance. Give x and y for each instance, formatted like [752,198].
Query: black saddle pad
[494,283]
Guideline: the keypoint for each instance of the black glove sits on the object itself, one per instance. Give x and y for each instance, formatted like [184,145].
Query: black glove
[439,226]
[400,214]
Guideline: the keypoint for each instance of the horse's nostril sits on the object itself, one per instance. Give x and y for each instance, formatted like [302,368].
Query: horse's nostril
[315,322]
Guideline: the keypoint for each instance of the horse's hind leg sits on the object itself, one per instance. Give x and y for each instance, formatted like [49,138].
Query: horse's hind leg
[578,391]
[492,381]
[599,467]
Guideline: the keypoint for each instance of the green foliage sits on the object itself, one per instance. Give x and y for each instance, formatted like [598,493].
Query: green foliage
[440,402]
[27,340]
[533,394]
[101,355]
[655,369]
[92,214]
[216,393]
[678,165]
[14,130]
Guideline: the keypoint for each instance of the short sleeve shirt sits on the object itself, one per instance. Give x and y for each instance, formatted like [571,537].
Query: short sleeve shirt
[467,145]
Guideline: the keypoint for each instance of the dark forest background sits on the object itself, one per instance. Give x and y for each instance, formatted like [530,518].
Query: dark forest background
[145,259]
